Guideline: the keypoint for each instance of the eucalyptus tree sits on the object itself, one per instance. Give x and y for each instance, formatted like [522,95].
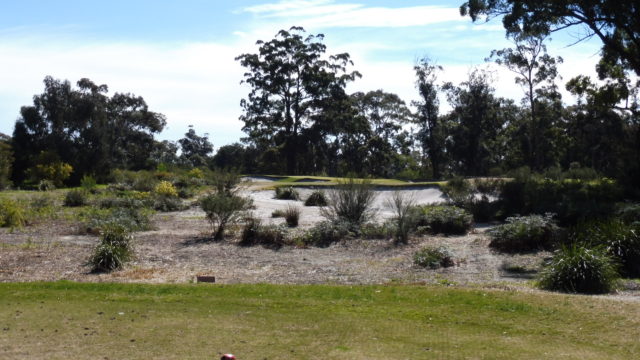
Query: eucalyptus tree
[195,149]
[291,79]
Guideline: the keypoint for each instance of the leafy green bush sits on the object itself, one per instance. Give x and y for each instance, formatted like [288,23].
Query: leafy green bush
[525,233]
[458,191]
[127,202]
[292,215]
[287,193]
[386,230]
[444,219]
[167,203]
[580,269]
[222,209]
[254,233]
[114,250]
[433,257]
[89,184]
[76,197]
[325,233]
[622,242]
[132,219]
[12,214]
[351,202]
[317,198]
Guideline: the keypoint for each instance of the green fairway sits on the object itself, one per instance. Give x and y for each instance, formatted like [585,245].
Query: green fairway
[319,181]
[66,320]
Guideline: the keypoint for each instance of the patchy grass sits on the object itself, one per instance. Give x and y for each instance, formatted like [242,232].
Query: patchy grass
[66,320]
[321,181]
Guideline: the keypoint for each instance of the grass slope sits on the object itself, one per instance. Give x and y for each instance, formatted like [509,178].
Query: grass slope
[319,181]
[66,320]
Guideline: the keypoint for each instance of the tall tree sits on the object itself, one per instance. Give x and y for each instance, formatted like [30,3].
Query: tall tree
[615,22]
[536,72]
[195,149]
[290,78]
[6,161]
[431,131]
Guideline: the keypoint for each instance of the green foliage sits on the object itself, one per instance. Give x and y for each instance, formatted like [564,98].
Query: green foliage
[458,191]
[167,203]
[580,269]
[287,193]
[88,183]
[12,214]
[165,189]
[115,249]
[525,233]
[225,181]
[317,198]
[433,257]
[56,172]
[254,233]
[325,233]
[629,213]
[621,240]
[132,219]
[570,200]
[135,180]
[444,219]
[277,213]
[351,202]
[292,215]
[75,197]
[222,209]
[6,161]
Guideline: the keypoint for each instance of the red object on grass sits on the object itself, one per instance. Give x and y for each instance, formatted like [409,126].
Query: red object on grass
[228,357]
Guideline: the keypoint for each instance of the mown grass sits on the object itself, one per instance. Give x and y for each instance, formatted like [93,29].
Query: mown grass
[320,181]
[66,320]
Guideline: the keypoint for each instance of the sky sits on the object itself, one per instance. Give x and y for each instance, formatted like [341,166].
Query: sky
[180,55]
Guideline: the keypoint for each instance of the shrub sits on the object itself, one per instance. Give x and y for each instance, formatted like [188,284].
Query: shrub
[629,213]
[128,202]
[292,215]
[165,188]
[277,213]
[525,233]
[580,269]
[351,202]
[195,173]
[56,172]
[325,233]
[444,219]
[76,197]
[622,242]
[132,219]
[433,257]
[12,214]
[42,203]
[222,209]
[254,233]
[386,230]
[114,250]
[88,183]
[167,203]
[458,191]
[317,198]
[404,219]
[287,193]
[46,185]
[225,181]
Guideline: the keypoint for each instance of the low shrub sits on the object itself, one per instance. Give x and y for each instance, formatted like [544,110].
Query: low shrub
[444,219]
[525,233]
[351,202]
[577,268]
[132,219]
[405,218]
[278,213]
[165,189]
[186,192]
[127,202]
[222,209]
[458,191]
[433,257]
[42,203]
[629,213]
[167,203]
[114,250]
[12,214]
[254,233]
[317,198]
[75,198]
[89,184]
[325,233]
[287,193]
[292,215]
[621,240]
[386,230]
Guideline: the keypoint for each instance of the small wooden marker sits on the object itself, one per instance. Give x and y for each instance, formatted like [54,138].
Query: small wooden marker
[205,279]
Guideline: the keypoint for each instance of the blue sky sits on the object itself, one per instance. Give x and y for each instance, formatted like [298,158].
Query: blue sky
[179,55]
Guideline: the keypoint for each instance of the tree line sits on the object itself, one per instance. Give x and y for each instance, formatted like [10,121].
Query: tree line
[299,119]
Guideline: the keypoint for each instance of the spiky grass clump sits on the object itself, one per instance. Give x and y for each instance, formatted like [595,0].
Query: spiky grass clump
[287,193]
[75,198]
[351,202]
[317,198]
[114,250]
[577,268]
[292,215]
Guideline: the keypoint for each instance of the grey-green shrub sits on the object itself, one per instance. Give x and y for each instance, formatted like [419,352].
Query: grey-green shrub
[88,183]
[115,249]
[577,268]
[325,233]
[433,257]
[287,193]
[132,219]
[351,202]
[254,233]
[525,233]
[278,213]
[222,209]
[317,198]
[444,219]
[75,198]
